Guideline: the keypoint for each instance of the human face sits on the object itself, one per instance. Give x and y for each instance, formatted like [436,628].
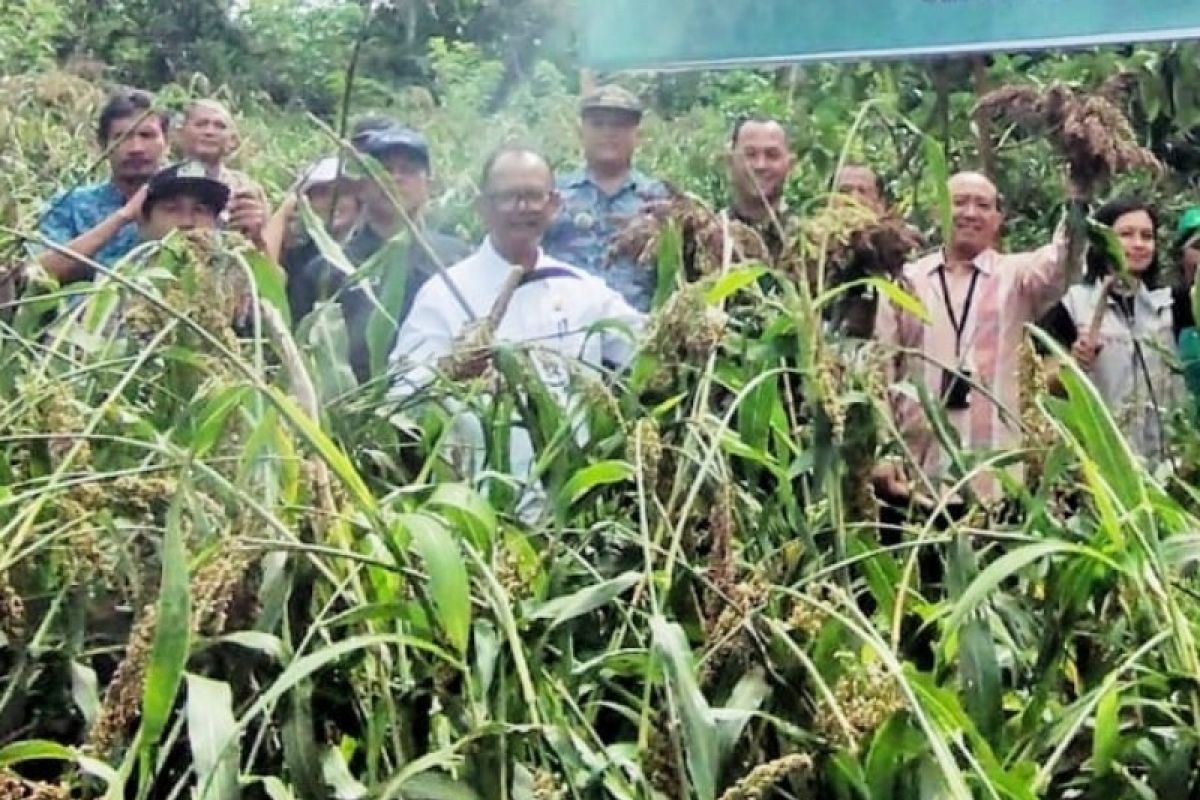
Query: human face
[322,198]
[609,137]
[181,212]
[518,203]
[862,184]
[975,206]
[761,162]
[411,178]
[138,150]
[1191,260]
[207,134]
[1136,232]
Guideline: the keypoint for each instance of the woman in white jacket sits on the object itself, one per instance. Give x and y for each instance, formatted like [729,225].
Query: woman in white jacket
[1123,330]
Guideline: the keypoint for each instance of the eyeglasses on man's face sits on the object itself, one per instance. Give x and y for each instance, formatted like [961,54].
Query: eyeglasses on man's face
[513,199]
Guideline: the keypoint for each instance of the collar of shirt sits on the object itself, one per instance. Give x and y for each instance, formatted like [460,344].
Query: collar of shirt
[985,262]
[634,181]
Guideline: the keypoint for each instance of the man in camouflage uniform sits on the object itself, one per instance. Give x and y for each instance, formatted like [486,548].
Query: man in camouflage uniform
[760,163]
[600,199]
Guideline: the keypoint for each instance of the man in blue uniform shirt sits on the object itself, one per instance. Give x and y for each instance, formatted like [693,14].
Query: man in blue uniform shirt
[600,199]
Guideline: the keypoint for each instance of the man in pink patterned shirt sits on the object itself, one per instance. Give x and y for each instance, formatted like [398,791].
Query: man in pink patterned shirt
[978,302]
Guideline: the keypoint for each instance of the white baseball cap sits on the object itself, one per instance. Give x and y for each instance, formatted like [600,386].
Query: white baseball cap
[326,170]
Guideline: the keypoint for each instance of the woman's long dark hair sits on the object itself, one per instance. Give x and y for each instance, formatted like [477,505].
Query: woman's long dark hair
[1098,262]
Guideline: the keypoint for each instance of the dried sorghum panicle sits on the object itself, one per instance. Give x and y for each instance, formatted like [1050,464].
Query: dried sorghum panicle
[723,574]
[596,392]
[765,777]
[475,340]
[658,759]
[60,414]
[1038,430]
[547,786]
[643,446]
[12,610]
[212,590]
[702,231]
[1093,136]
[687,328]
[14,787]
[123,697]
[145,497]
[831,386]
[731,643]
[808,618]
[215,585]
[512,574]
[868,696]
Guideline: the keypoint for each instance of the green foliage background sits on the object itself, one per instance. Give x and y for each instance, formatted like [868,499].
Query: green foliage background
[226,571]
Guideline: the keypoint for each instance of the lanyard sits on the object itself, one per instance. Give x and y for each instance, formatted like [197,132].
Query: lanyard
[959,323]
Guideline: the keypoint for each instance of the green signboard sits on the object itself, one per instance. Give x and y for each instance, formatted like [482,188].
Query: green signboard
[634,34]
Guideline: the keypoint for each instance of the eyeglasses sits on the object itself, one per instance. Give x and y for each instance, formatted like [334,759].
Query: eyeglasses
[516,198]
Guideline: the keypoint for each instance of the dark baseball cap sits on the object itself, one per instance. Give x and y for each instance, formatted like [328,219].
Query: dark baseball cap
[186,178]
[385,140]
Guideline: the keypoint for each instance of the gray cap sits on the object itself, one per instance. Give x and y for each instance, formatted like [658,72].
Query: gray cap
[612,98]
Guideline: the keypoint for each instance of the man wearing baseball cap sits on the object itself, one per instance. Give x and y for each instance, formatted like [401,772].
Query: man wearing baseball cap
[333,197]
[181,197]
[388,212]
[601,198]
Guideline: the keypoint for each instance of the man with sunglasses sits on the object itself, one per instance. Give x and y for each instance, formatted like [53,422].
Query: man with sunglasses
[604,196]
[390,242]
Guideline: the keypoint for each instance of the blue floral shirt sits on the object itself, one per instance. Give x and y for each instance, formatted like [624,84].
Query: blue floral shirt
[589,220]
[75,212]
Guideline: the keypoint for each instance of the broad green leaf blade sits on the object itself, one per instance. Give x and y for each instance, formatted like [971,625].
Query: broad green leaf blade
[939,173]
[586,600]
[333,455]
[336,773]
[269,282]
[212,418]
[172,630]
[433,785]
[733,282]
[1107,736]
[34,750]
[391,267]
[327,346]
[668,263]
[463,507]
[301,753]
[42,750]
[326,246]
[747,697]
[85,691]
[449,588]
[593,475]
[979,670]
[1007,566]
[891,290]
[211,735]
[699,727]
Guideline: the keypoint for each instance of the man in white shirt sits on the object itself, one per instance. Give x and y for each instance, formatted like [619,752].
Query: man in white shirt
[554,311]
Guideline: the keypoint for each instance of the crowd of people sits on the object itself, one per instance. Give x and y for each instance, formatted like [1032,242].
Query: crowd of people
[1124,326]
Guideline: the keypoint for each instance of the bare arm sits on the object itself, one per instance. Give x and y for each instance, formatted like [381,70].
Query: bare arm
[275,231]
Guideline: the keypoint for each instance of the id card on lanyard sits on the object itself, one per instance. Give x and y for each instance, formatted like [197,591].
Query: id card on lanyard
[959,323]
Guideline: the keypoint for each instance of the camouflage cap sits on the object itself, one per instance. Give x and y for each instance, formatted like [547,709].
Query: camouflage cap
[611,97]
